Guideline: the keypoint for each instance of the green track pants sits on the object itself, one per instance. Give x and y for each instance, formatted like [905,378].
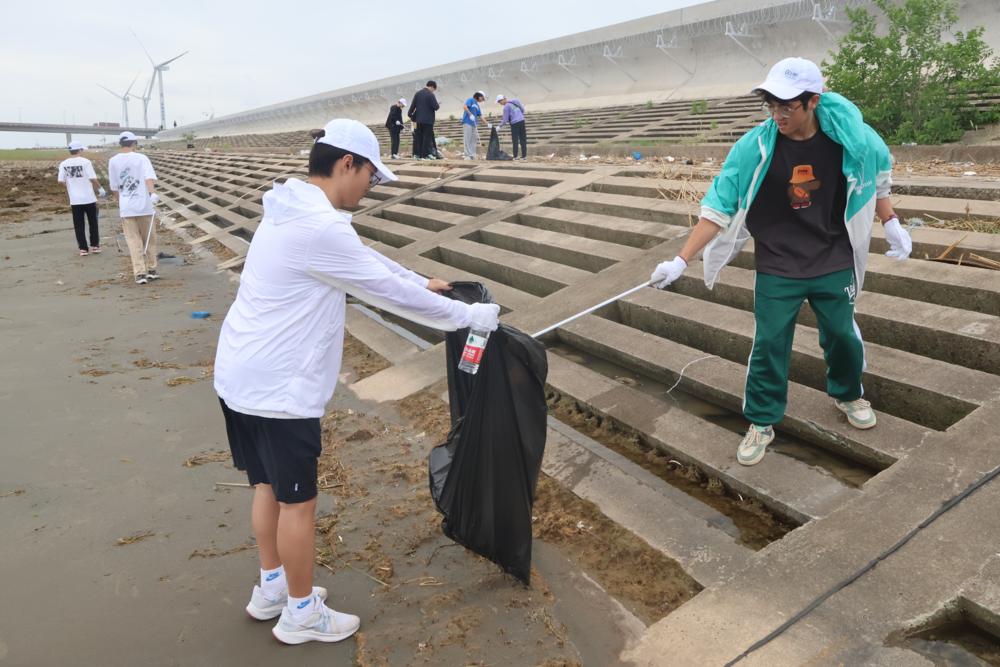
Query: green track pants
[776,305]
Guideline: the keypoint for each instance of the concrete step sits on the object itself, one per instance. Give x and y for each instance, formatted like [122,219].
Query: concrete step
[925,391]
[424,218]
[580,253]
[471,206]
[787,487]
[683,528]
[610,229]
[535,178]
[388,232]
[486,190]
[962,287]
[810,414]
[624,206]
[953,335]
[654,188]
[529,274]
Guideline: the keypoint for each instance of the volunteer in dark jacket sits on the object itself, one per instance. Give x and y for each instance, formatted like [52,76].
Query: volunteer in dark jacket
[279,358]
[422,113]
[394,123]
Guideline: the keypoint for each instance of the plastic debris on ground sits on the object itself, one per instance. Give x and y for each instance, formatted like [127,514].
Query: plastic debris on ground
[483,479]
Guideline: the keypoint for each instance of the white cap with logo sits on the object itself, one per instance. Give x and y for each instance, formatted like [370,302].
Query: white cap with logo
[350,135]
[127,135]
[75,146]
[500,97]
[791,77]
[402,100]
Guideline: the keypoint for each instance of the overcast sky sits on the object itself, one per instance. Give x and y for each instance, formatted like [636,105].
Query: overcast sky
[249,54]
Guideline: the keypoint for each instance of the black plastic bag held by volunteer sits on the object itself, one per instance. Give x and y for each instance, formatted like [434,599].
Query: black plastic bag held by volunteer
[493,151]
[483,478]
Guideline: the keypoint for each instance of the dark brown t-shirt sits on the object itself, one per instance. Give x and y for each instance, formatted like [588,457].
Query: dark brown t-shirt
[797,217]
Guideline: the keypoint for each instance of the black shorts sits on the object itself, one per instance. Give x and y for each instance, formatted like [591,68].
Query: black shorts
[281,452]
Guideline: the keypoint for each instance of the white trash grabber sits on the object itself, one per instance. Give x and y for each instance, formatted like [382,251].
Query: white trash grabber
[593,308]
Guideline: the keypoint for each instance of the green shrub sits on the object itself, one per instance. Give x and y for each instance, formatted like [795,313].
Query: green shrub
[649,104]
[914,84]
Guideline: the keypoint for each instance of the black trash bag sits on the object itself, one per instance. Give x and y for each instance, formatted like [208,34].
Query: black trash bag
[493,151]
[483,478]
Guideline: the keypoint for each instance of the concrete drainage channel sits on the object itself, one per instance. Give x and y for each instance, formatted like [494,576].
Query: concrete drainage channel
[550,240]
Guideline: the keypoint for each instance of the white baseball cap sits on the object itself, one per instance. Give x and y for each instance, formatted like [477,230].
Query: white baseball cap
[402,101]
[127,135]
[500,97]
[350,135]
[791,77]
[479,92]
[75,146]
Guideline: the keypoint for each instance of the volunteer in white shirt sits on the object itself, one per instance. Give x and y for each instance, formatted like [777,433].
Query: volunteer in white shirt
[131,176]
[280,352]
[76,174]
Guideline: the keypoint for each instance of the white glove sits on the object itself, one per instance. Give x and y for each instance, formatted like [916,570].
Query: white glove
[154,199]
[399,123]
[101,193]
[668,272]
[900,243]
[484,316]
[488,126]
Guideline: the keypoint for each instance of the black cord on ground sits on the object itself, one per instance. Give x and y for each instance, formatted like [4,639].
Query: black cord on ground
[871,565]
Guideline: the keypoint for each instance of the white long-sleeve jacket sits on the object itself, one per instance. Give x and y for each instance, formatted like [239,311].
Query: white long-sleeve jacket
[281,344]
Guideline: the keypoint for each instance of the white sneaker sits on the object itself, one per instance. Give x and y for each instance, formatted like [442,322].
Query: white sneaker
[264,609]
[859,413]
[322,625]
[754,445]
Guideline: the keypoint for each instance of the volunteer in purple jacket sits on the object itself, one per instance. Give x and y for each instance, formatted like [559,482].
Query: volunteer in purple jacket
[279,357]
[513,113]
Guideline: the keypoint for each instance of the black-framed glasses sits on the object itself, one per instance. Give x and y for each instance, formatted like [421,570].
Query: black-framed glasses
[374,180]
[785,112]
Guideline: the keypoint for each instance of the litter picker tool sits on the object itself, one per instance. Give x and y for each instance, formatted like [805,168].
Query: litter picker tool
[593,308]
[108,209]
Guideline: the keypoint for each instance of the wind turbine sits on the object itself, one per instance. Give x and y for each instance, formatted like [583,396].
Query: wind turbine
[146,97]
[124,98]
[158,71]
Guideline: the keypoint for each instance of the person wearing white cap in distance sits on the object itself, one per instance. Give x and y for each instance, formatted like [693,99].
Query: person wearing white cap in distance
[279,358]
[470,122]
[131,177]
[76,174]
[394,123]
[513,113]
[806,185]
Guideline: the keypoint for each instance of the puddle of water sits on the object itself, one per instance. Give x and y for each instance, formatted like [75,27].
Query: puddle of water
[755,525]
[960,644]
[843,469]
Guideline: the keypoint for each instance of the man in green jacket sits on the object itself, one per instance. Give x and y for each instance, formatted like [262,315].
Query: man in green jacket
[806,185]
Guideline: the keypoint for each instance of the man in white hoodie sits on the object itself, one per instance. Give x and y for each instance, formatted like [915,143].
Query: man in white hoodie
[280,353]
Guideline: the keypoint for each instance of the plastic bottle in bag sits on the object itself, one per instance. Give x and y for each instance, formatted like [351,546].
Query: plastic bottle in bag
[472,355]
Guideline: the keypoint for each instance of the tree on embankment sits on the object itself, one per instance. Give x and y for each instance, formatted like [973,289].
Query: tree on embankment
[913,84]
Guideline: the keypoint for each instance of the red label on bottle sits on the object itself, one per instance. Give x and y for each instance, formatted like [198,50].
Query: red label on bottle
[474,347]
[473,354]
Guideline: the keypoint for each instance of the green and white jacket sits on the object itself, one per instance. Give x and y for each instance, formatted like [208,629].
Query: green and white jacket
[867,167]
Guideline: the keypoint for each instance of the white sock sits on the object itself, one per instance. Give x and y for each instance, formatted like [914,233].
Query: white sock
[272,582]
[299,608]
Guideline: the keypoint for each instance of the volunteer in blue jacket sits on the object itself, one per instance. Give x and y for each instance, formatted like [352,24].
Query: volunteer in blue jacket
[806,185]
[279,358]
[470,124]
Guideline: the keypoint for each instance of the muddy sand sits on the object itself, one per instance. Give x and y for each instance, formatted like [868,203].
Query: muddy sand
[120,504]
